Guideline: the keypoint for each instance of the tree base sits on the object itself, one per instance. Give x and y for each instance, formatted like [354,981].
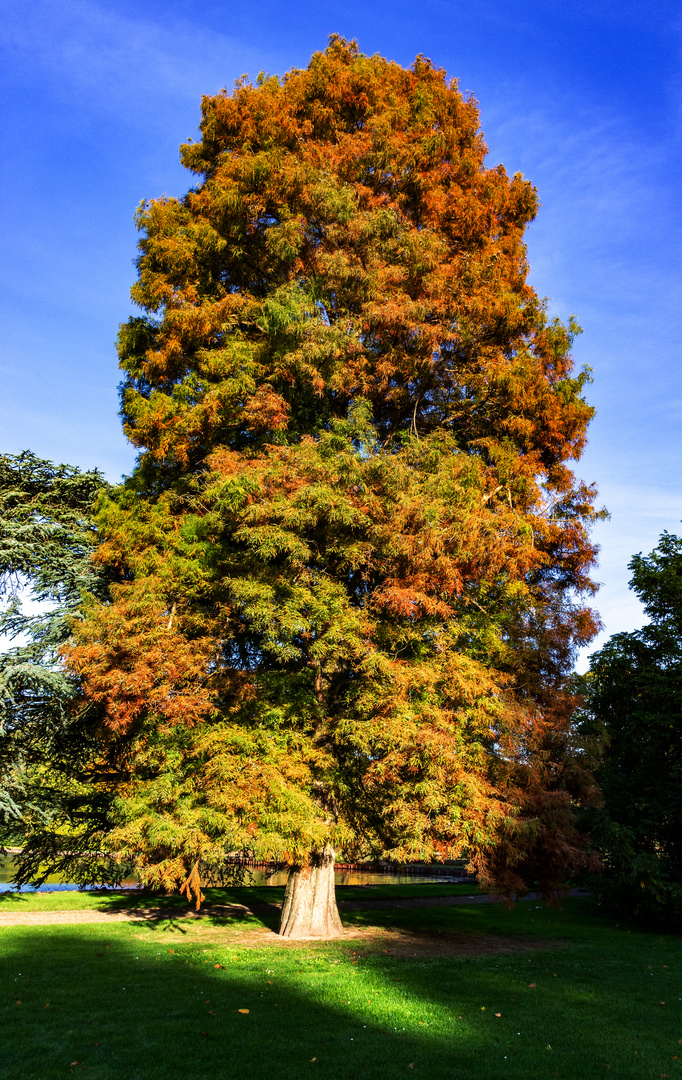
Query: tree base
[309,909]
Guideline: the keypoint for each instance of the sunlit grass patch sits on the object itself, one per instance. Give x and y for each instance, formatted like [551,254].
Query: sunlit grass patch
[262,894]
[151,1000]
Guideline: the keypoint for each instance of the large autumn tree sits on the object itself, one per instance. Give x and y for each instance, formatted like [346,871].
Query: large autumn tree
[350,557]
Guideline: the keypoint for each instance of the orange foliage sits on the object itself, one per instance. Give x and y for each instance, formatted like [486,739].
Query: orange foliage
[350,558]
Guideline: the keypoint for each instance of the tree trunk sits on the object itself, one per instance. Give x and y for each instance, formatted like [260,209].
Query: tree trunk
[309,909]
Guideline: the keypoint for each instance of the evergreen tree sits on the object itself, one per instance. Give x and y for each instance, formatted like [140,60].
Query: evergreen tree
[349,558]
[51,745]
[634,730]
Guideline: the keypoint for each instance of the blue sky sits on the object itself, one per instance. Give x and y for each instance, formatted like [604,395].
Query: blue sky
[583,98]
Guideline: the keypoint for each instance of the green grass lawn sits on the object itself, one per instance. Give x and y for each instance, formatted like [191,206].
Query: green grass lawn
[105,901]
[160,1001]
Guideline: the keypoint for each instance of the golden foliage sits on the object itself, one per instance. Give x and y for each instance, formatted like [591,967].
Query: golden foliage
[349,557]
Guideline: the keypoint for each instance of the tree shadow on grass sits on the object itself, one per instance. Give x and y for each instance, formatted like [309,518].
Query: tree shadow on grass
[154,1002]
[124,1006]
[14,897]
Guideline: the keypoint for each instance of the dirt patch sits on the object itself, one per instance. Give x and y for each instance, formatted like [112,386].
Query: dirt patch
[379,941]
[370,941]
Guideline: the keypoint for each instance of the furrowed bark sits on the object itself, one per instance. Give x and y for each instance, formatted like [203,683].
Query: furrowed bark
[309,909]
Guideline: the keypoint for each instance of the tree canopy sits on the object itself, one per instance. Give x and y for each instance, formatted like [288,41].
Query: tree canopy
[49,745]
[347,568]
[634,728]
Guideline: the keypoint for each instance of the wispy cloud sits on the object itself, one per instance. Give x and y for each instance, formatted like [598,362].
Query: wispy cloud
[124,63]
[607,246]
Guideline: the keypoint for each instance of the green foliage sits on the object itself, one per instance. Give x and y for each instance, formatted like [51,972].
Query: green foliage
[49,739]
[634,730]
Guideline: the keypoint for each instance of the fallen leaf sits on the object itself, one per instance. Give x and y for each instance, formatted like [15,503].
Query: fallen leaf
[210,1012]
[313,1059]
[498,1014]
[661,1003]
[411,1065]
[532,986]
[203,1033]
[242,1010]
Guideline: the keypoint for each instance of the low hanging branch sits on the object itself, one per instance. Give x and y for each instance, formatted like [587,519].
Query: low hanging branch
[192,884]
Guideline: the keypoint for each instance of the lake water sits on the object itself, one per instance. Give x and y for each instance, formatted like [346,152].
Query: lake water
[258,877]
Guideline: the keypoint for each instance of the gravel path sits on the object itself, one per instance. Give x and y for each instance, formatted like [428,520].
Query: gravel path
[231,911]
[151,914]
